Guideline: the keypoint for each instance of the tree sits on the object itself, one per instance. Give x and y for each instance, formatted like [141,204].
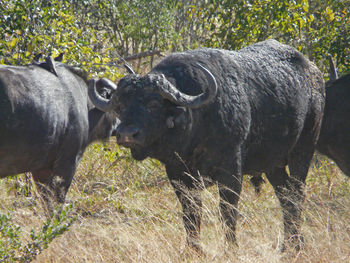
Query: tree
[96,34]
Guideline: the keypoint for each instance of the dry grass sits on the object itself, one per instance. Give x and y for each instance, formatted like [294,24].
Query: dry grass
[128,212]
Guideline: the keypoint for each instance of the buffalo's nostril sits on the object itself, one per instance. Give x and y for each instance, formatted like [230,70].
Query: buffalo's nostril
[128,134]
[131,131]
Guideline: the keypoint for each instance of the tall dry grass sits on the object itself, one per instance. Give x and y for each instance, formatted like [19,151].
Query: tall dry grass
[128,212]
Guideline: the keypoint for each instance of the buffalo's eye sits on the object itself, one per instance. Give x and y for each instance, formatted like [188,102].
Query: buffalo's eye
[153,105]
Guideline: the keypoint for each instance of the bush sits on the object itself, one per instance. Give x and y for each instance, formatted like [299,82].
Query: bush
[13,248]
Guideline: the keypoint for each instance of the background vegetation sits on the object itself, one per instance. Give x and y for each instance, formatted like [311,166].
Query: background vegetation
[126,211]
[97,34]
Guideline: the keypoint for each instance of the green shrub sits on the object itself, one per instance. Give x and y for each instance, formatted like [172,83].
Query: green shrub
[14,248]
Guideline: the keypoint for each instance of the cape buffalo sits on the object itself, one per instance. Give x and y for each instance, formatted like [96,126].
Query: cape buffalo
[219,114]
[334,138]
[46,122]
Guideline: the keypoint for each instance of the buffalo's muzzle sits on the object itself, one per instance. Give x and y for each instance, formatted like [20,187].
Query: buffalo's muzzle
[129,135]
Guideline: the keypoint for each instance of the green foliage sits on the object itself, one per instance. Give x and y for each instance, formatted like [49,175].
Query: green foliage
[14,249]
[10,239]
[139,25]
[28,28]
[316,28]
[133,26]
[96,34]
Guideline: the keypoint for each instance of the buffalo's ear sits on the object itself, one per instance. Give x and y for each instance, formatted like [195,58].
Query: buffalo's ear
[178,118]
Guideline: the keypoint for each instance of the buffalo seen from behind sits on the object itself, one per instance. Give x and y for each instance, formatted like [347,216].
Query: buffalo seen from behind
[218,114]
[46,122]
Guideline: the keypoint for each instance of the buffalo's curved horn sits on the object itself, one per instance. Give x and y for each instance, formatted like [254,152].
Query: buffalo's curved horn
[170,92]
[333,75]
[100,102]
[106,83]
[129,69]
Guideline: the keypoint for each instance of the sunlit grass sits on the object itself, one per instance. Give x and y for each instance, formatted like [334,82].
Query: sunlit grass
[128,212]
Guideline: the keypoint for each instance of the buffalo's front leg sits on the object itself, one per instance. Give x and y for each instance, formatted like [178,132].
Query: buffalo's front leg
[53,184]
[43,179]
[229,179]
[229,197]
[188,193]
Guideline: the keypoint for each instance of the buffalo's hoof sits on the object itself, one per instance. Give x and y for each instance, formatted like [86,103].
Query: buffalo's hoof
[194,246]
[192,251]
[295,242]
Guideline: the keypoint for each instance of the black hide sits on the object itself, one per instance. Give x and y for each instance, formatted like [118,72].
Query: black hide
[334,138]
[46,122]
[266,115]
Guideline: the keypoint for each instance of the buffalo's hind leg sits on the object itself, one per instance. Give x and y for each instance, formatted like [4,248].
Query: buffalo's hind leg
[290,193]
[299,163]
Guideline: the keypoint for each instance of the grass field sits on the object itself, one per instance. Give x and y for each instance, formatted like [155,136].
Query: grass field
[126,211]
